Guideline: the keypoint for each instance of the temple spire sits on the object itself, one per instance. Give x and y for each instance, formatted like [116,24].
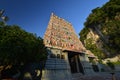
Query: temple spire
[60,34]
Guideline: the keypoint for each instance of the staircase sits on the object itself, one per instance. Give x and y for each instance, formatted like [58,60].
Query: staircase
[77,76]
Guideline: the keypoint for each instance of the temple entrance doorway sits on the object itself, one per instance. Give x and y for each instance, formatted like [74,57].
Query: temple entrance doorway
[75,64]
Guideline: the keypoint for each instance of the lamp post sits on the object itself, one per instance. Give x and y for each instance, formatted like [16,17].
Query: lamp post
[2,17]
[1,12]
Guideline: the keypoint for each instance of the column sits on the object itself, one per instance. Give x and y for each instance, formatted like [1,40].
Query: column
[77,64]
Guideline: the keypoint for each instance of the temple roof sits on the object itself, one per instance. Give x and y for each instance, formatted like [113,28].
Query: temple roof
[60,34]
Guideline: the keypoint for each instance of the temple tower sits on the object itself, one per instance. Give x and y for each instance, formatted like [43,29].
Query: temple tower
[66,54]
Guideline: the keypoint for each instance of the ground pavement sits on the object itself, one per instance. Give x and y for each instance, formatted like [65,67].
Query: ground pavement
[99,76]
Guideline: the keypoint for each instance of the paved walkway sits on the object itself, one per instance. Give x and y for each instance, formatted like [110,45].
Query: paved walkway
[99,76]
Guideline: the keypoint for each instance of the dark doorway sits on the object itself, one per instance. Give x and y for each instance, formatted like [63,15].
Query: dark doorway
[80,66]
[75,64]
[95,68]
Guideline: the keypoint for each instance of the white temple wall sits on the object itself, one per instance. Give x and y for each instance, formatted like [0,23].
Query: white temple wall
[86,65]
[57,66]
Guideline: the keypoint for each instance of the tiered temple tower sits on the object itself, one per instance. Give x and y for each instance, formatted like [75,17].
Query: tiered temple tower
[66,54]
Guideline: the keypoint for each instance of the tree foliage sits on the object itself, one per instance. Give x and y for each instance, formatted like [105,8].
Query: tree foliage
[96,17]
[102,14]
[108,16]
[111,65]
[94,49]
[83,34]
[18,46]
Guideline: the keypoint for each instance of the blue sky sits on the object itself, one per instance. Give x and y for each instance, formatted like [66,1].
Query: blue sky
[33,15]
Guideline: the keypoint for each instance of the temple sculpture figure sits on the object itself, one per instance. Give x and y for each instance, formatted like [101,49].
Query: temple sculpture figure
[66,54]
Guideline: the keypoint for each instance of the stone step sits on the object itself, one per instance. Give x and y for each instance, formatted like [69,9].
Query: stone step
[77,75]
[56,61]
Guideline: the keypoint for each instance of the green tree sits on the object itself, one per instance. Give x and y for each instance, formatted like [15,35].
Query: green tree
[111,65]
[105,22]
[83,34]
[18,46]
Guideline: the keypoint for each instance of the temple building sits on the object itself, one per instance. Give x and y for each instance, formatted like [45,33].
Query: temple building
[66,54]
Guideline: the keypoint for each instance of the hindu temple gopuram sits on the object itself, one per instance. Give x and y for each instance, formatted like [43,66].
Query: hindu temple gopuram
[66,54]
